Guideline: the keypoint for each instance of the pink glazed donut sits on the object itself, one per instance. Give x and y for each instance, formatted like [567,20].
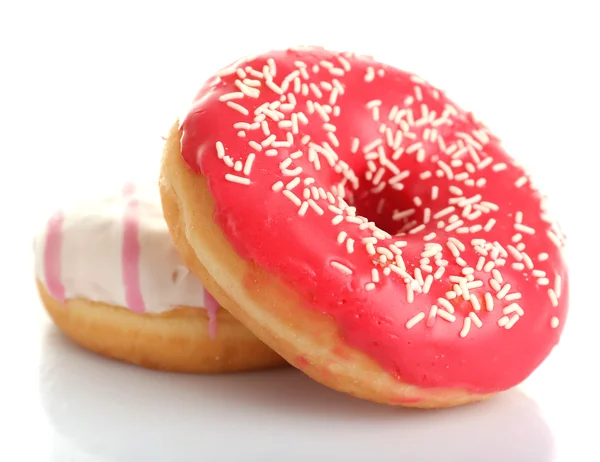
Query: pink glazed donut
[366,227]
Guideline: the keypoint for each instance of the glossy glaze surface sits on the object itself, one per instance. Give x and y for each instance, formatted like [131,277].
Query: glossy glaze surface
[388,207]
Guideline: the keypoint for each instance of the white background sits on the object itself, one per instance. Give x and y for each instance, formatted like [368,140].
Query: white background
[86,91]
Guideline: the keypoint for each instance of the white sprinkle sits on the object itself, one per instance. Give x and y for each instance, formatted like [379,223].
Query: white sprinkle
[248,163]
[489,225]
[512,322]
[291,196]
[495,285]
[527,260]
[447,316]
[543,281]
[480,263]
[465,290]
[341,236]
[499,167]
[475,319]
[237,179]
[514,252]
[466,327]
[417,229]
[554,238]
[267,141]
[484,163]
[453,226]
[415,320]
[553,297]
[419,276]
[489,301]
[303,209]
[558,285]
[220,150]
[343,268]
[513,296]
[418,93]
[453,248]
[432,314]
[374,274]
[286,163]
[233,95]
[237,107]
[372,145]
[475,302]
[489,205]
[455,190]
[444,212]
[315,207]
[519,217]
[457,243]
[474,284]
[497,276]
[410,295]
[237,166]
[446,305]
[373,103]
[501,294]
[554,322]
[350,245]
[403,214]
[429,237]
[518,266]
[524,229]
[446,169]
[370,286]
[521,181]
[512,308]
[439,272]
[503,321]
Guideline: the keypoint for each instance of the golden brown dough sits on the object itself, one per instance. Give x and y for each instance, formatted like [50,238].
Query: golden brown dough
[175,341]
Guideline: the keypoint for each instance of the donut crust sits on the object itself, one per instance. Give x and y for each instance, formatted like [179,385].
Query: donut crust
[175,341]
[270,308]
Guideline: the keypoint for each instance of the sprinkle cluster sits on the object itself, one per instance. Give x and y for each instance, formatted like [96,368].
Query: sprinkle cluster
[423,139]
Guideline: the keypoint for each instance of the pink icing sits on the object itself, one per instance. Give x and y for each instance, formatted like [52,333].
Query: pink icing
[131,253]
[211,306]
[52,256]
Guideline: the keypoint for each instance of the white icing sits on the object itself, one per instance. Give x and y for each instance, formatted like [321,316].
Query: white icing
[91,254]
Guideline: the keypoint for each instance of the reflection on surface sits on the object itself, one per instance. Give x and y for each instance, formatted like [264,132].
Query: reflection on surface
[103,410]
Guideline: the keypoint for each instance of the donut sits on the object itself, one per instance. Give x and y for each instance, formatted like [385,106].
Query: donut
[366,227]
[111,280]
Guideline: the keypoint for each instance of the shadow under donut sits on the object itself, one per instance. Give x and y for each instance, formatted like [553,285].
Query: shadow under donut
[118,412]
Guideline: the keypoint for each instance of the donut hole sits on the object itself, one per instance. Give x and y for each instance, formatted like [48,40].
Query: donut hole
[386,211]
[393,210]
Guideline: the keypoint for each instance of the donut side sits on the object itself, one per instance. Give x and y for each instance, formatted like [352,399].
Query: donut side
[110,278]
[271,309]
[174,341]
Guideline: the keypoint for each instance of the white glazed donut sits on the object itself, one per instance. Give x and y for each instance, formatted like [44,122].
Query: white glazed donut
[111,279]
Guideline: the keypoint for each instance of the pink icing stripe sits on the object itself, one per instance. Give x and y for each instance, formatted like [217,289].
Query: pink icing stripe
[211,306]
[52,256]
[131,253]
